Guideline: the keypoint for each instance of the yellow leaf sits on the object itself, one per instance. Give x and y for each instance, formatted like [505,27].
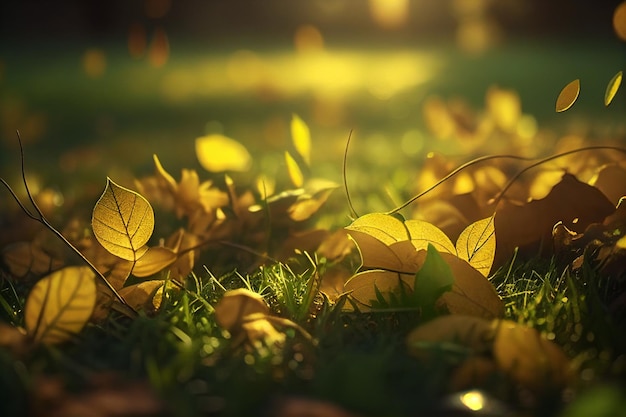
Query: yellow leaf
[308,204]
[363,286]
[301,137]
[422,233]
[295,173]
[568,95]
[529,358]
[383,227]
[236,305]
[218,153]
[164,175]
[154,260]
[477,245]
[376,254]
[612,87]
[122,221]
[472,294]
[145,295]
[60,304]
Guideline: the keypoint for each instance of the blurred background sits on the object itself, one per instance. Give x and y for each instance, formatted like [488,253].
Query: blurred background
[97,87]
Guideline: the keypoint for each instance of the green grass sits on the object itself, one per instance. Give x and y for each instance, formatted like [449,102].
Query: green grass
[360,361]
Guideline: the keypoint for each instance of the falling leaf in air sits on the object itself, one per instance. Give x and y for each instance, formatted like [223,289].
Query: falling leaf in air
[612,87]
[122,221]
[568,95]
[60,304]
[218,153]
[477,245]
[301,138]
[295,173]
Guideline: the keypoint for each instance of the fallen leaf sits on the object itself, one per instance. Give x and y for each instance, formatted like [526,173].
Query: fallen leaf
[529,358]
[472,293]
[122,221]
[60,304]
[375,287]
[568,95]
[145,295]
[154,260]
[235,305]
[477,245]
[218,153]
[25,258]
[529,226]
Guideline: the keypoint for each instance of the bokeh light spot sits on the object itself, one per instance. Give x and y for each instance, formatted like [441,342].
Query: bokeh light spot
[137,40]
[308,38]
[159,48]
[389,14]
[94,63]
[473,400]
[619,21]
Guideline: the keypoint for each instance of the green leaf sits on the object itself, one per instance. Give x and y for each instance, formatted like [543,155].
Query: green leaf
[60,304]
[122,221]
[433,279]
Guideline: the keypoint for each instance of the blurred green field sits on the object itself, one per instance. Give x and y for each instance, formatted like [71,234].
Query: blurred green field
[82,127]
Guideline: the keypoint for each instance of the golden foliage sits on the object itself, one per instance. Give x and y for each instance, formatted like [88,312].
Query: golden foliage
[59,305]
[122,221]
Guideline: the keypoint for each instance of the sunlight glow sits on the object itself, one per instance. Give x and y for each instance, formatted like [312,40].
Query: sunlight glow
[473,400]
[389,14]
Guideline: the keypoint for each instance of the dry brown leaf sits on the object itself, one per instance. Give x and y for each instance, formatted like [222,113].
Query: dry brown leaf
[611,180]
[529,226]
[26,258]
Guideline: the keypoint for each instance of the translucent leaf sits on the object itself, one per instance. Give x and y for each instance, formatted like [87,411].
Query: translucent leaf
[422,234]
[301,137]
[154,260]
[236,305]
[122,221]
[376,254]
[295,173]
[364,286]
[383,227]
[60,304]
[218,153]
[612,87]
[145,295]
[471,294]
[568,95]
[477,245]
[529,358]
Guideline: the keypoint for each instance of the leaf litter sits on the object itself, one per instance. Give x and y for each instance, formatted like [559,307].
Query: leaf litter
[380,264]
